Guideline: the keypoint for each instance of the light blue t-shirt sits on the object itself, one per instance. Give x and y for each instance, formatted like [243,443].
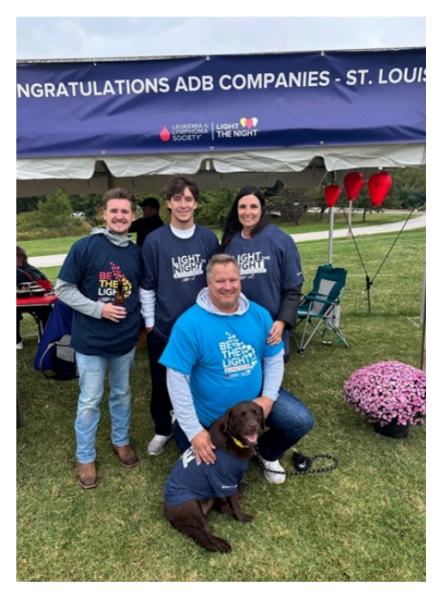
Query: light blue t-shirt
[223,356]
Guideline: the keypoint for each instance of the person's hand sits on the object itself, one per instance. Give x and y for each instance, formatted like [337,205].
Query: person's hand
[113,312]
[265,403]
[203,448]
[275,334]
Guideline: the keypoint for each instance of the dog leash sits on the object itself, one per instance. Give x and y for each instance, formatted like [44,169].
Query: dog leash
[303,464]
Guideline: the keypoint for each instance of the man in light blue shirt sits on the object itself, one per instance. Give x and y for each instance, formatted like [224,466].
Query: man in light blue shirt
[219,354]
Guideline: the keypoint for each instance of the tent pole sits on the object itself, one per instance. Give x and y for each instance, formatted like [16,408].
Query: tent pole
[350,213]
[423,340]
[423,322]
[330,235]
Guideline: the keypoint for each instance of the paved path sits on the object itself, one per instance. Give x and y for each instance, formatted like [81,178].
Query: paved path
[413,223]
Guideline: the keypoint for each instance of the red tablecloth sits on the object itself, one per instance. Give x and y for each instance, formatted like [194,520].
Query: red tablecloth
[30,301]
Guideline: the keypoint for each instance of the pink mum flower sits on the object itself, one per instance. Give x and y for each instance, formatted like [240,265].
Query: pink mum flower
[387,390]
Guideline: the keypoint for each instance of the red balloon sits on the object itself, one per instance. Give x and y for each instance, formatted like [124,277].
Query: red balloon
[353,183]
[331,194]
[379,186]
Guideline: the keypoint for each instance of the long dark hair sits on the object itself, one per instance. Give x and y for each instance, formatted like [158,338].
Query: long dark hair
[233,225]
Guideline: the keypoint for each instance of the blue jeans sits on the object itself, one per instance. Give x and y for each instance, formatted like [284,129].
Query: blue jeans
[92,370]
[287,423]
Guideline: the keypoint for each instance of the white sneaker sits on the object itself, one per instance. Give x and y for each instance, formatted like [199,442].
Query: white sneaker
[273,471]
[19,346]
[157,444]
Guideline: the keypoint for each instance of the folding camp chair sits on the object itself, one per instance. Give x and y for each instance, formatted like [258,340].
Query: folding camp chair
[320,308]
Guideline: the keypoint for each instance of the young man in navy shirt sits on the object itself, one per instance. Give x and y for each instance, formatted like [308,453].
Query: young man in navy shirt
[104,334]
[174,260]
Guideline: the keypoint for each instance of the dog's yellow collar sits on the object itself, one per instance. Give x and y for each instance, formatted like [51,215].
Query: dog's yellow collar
[238,443]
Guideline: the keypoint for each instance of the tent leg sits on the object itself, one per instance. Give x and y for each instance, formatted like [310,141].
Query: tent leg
[423,340]
[367,287]
[330,235]
[350,214]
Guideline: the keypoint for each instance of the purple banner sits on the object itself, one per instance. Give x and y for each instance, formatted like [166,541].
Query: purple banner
[205,104]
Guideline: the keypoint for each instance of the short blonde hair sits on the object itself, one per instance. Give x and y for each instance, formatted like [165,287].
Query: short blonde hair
[220,259]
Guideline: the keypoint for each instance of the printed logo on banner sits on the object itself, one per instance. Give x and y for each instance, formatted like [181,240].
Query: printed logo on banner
[165,135]
[249,123]
[245,127]
[194,132]
[184,132]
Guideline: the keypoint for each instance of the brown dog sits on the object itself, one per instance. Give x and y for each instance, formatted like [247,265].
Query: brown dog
[192,490]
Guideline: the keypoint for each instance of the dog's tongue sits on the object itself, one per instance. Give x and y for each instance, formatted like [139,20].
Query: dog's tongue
[251,439]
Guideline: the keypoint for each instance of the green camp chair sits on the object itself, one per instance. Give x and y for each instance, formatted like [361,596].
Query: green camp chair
[319,310]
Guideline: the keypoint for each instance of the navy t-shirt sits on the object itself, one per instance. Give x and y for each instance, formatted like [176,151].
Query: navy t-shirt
[269,265]
[95,265]
[175,269]
[190,481]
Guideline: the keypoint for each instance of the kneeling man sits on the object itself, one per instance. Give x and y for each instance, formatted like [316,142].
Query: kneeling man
[217,356]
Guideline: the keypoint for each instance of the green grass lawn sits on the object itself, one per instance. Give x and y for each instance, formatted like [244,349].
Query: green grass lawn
[48,247]
[363,522]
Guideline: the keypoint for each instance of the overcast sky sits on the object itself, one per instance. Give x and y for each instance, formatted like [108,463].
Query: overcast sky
[101,37]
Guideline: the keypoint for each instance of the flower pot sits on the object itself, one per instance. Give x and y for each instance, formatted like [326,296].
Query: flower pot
[393,429]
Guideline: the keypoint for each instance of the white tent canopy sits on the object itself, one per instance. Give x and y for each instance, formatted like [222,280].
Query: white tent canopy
[296,167]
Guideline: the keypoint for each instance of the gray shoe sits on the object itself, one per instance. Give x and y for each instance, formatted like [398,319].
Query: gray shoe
[157,444]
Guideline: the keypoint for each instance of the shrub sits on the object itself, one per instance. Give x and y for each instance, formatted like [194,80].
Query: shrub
[56,210]
[29,231]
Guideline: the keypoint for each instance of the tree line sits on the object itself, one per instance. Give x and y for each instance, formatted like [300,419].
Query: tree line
[41,214]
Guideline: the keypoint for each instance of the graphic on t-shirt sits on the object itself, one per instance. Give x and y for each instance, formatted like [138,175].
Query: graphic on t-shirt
[187,457]
[251,263]
[187,266]
[238,358]
[108,281]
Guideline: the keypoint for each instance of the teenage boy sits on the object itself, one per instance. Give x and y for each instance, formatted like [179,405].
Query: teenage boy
[174,260]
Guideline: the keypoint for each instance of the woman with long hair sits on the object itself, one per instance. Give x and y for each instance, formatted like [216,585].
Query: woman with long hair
[268,260]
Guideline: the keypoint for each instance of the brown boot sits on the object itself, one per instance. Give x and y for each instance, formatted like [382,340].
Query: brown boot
[87,475]
[127,456]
